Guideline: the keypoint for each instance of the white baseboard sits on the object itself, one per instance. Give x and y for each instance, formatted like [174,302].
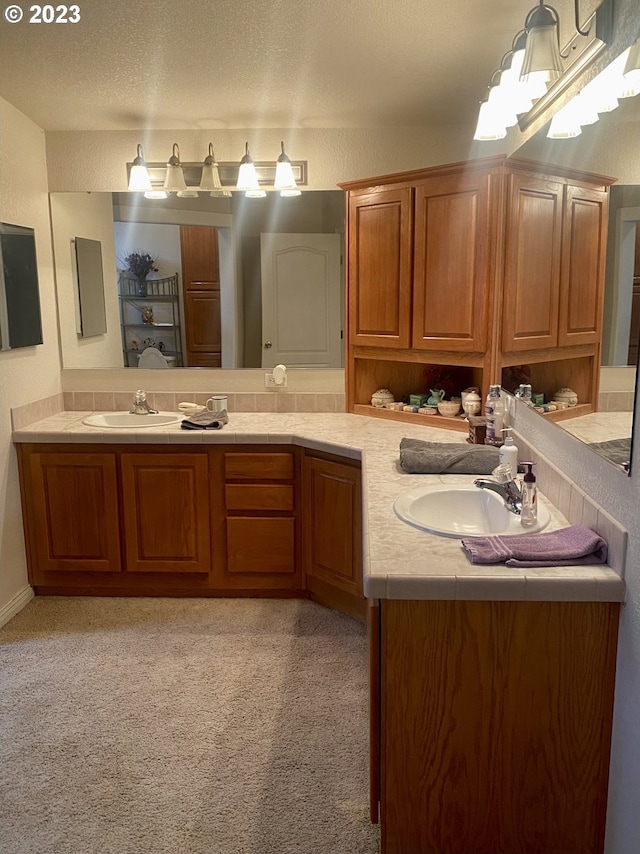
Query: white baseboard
[15,605]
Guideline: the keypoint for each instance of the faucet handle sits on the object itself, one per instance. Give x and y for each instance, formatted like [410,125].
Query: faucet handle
[502,473]
[140,396]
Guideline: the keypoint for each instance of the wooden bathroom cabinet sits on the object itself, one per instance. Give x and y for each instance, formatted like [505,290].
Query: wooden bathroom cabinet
[475,267]
[223,520]
[332,541]
[491,725]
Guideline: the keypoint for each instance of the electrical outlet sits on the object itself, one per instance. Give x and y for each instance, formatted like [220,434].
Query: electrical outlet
[269,381]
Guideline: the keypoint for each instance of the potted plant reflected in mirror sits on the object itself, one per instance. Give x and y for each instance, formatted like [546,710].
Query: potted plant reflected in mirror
[140,264]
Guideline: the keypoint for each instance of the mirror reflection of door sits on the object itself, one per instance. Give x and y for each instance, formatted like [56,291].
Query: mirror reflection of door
[201,295]
[301,300]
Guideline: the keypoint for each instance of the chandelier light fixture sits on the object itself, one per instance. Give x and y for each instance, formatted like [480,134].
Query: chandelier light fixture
[535,73]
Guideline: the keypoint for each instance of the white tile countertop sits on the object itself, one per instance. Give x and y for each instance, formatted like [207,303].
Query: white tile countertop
[400,562]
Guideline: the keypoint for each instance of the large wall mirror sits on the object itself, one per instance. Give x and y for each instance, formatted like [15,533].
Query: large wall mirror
[608,147]
[255,312]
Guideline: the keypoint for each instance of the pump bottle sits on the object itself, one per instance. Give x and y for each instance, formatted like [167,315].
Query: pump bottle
[508,454]
[494,412]
[529,514]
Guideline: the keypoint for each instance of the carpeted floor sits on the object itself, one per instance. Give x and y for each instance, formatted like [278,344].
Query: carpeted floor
[184,726]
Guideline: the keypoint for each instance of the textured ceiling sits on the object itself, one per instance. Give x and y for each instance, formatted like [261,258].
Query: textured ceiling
[130,64]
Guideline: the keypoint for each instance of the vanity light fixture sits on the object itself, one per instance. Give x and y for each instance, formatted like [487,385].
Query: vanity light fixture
[535,74]
[631,73]
[600,95]
[542,52]
[174,179]
[210,178]
[285,182]
[139,176]
[188,180]
[248,178]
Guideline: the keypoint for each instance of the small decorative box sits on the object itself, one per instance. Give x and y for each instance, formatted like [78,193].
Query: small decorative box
[418,399]
[477,429]
[537,399]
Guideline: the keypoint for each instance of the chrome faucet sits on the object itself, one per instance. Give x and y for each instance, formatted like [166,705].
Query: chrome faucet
[140,405]
[505,485]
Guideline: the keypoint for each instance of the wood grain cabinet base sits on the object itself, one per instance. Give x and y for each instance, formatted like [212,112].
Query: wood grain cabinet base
[495,726]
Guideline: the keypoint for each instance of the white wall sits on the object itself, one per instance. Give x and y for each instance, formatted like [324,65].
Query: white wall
[29,373]
[332,154]
[86,215]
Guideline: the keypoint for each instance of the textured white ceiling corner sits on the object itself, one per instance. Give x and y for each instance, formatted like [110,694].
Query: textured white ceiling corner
[131,64]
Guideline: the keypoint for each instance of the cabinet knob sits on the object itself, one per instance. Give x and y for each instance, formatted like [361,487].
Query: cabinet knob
[267,345]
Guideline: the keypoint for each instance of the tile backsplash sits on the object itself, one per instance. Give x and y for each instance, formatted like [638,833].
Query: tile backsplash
[239,402]
[109,401]
[575,505]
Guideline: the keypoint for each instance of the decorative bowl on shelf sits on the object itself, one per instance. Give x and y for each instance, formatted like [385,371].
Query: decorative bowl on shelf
[566,395]
[382,396]
[449,408]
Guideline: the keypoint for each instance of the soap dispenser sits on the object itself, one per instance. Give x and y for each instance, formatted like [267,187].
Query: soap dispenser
[508,454]
[529,515]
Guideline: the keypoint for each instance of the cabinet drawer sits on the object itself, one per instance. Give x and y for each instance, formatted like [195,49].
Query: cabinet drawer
[247,496]
[261,545]
[258,466]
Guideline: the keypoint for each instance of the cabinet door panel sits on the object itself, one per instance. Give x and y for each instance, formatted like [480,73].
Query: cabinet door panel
[496,725]
[202,325]
[380,249]
[451,263]
[261,545]
[532,263]
[583,260]
[75,507]
[199,252]
[333,524]
[166,512]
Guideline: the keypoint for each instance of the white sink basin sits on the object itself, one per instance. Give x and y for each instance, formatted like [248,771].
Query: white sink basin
[461,510]
[129,419]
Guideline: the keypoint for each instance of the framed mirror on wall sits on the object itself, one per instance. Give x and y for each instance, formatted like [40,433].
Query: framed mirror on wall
[20,318]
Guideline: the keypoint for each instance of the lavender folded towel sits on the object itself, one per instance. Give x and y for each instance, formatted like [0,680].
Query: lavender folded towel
[565,547]
[420,457]
[205,420]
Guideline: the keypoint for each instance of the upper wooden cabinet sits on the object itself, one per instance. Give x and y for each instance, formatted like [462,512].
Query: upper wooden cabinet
[554,263]
[380,252]
[584,239]
[477,267]
[533,244]
[451,262]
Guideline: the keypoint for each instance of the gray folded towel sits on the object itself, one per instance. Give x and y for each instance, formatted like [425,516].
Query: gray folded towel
[565,547]
[206,420]
[419,457]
